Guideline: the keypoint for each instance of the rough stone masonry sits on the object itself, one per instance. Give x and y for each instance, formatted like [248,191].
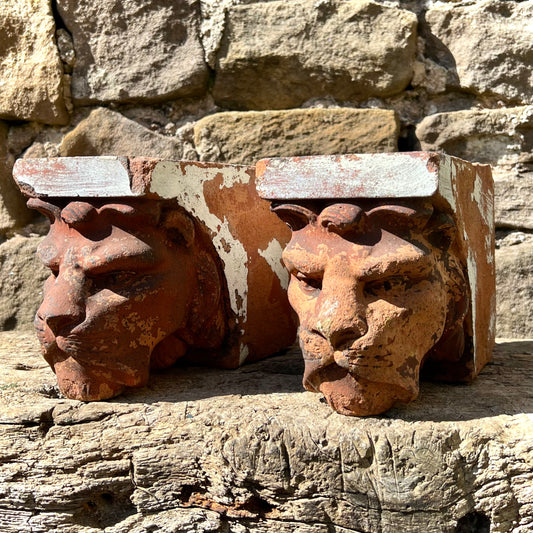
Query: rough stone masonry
[234,81]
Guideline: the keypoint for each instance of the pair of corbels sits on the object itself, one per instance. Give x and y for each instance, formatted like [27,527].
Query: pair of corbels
[390,264]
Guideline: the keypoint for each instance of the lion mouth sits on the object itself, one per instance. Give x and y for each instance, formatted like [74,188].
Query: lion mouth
[316,350]
[354,358]
[350,359]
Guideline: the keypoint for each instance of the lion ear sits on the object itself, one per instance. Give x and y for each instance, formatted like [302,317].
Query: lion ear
[179,225]
[295,216]
[51,211]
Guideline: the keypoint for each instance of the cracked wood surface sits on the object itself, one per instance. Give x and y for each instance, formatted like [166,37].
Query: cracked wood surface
[206,450]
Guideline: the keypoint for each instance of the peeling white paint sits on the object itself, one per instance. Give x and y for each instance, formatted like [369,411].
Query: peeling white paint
[483,203]
[488,249]
[485,207]
[232,175]
[492,323]
[243,353]
[447,174]
[450,169]
[272,255]
[477,192]
[471,265]
[186,186]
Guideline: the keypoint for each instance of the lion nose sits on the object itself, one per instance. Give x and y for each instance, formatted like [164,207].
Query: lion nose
[63,306]
[62,323]
[340,313]
[344,336]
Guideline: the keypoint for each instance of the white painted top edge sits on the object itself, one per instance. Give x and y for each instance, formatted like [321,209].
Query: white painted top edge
[104,176]
[384,175]
[97,176]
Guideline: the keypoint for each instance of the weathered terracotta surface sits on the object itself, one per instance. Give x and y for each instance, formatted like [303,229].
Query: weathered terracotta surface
[154,261]
[392,268]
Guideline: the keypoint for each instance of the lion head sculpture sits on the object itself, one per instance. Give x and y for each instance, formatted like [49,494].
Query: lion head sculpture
[134,284]
[378,289]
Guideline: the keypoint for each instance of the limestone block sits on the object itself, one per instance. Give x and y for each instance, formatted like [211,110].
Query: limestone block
[502,138]
[21,282]
[245,137]
[135,50]
[486,46]
[13,211]
[106,132]
[248,451]
[31,75]
[514,279]
[277,55]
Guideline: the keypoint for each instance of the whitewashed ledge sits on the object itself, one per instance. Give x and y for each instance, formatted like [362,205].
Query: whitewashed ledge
[203,450]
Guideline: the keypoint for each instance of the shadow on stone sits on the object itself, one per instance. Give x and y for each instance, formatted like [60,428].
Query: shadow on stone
[281,373]
[106,509]
[500,389]
[473,523]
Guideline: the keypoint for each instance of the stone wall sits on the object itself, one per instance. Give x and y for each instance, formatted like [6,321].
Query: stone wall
[235,80]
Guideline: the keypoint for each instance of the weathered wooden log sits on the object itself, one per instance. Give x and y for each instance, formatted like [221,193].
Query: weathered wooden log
[247,450]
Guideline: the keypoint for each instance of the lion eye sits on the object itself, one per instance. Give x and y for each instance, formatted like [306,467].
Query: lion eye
[307,283]
[384,286]
[119,278]
[112,280]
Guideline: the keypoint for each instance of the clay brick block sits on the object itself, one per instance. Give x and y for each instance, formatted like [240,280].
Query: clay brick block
[208,214]
[372,234]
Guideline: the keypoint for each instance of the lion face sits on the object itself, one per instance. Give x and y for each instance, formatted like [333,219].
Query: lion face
[118,288]
[370,292]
